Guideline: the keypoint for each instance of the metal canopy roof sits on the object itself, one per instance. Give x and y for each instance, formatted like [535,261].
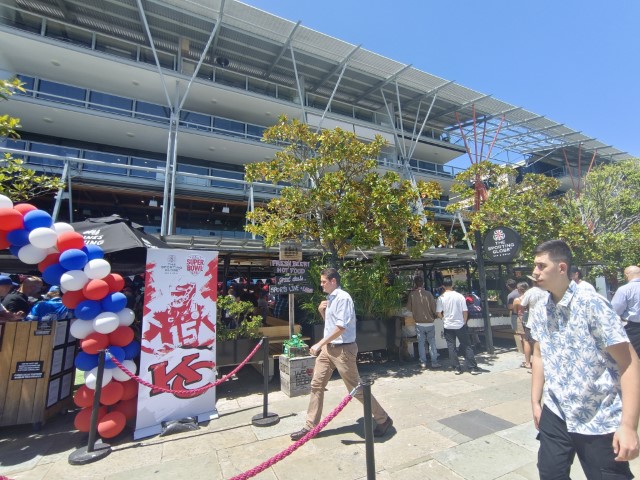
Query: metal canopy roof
[258,44]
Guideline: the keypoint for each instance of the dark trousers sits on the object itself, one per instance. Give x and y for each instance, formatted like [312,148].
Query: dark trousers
[558,448]
[633,332]
[462,334]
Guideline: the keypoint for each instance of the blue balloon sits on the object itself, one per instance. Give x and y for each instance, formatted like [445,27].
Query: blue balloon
[18,237]
[132,350]
[85,361]
[114,302]
[73,259]
[87,310]
[93,251]
[52,274]
[36,219]
[117,352]
[14,249]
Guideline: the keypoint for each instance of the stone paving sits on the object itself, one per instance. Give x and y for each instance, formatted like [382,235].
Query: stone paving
[446,427]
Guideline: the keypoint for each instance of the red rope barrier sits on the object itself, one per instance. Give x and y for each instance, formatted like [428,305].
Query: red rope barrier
[288,451]
[195,391]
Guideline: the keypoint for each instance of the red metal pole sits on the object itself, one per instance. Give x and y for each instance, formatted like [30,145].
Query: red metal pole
[464,139]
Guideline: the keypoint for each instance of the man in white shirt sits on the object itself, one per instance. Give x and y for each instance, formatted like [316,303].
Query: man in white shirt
[576,279]
[337,350]
[452,307]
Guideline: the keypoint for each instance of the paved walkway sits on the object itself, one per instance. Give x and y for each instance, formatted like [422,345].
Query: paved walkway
[445,427]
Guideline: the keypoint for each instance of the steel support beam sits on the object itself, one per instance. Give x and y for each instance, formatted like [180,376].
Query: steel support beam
[284,48]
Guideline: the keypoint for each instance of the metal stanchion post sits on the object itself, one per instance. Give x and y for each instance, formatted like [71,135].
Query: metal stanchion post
[266,418]
[368,429]
[95,450]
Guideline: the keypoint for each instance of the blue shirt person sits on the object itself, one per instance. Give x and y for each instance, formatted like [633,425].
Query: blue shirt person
[51,309]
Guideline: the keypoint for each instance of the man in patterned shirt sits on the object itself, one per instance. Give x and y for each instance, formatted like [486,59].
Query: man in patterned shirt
[589,374]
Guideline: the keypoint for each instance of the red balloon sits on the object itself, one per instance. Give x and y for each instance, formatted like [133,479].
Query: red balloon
[111,393]
[130,389]
[115,282]
[68,240]
[72,299]
[10,219]
[94,342]
[112,424]
[24,208]
[48,261]
[96,289]
[83,397]
[82,421]
[121,336]
[127,407]
[3,240]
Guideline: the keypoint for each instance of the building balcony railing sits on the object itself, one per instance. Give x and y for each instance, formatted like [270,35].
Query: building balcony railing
[168,58]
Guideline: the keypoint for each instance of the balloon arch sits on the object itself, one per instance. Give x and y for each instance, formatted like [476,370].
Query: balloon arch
[92,292]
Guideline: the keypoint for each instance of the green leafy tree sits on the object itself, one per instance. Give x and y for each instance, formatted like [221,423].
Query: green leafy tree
[609,207]
[335,196]
[528,207]
[16,181]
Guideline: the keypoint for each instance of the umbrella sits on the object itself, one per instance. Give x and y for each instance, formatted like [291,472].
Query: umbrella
[125,243]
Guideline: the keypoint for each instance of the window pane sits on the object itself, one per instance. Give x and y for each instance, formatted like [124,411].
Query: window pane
[145,162]
[216,172]
[105,157]
[67,33]
[152,112]
[255,131]
[191,180]
[61,93]
[194,120]
[110,103]
[115,47]
[228,127]
[29,82]
[52,150]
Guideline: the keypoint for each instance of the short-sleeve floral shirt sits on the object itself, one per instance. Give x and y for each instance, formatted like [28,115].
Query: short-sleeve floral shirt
[582,381]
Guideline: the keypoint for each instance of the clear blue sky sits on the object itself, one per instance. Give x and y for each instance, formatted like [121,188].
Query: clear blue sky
[576,62]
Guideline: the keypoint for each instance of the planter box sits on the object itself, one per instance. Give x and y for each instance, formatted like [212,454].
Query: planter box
[377,334]
[233,352]
[296,374]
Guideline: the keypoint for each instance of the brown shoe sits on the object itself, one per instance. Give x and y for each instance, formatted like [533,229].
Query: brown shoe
[295,436]
[381,428]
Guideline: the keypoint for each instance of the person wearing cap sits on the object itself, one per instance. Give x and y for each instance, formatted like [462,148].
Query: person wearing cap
[6,285]
[51,309]
[18,300]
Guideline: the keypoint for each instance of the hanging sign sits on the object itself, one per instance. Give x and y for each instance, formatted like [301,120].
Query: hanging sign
[501,244]
[291,250]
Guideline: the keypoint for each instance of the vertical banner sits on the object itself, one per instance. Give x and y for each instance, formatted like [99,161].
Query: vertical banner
[178,337]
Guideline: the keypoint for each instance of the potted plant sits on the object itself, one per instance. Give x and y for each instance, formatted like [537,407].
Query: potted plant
[233,345]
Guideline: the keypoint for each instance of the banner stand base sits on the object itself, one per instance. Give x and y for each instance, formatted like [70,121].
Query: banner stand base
[261,421]
[187,424]
[82,456]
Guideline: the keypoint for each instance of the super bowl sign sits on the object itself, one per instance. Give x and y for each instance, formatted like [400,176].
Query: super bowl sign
[501,244]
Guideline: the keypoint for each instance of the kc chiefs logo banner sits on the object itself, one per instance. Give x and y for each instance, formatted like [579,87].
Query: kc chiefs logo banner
[178,338]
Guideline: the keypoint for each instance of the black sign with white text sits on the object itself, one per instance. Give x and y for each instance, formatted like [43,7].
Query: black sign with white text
[28,370]
[501,244]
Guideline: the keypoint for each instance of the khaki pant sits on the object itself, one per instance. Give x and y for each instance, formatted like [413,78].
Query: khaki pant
[344,359]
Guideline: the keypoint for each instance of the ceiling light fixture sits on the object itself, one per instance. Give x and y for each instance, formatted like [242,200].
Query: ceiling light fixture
[153,202]
[225,209]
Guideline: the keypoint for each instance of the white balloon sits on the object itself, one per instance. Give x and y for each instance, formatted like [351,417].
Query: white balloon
[126,316]
[31,254]
[43,237]
[5,202]
[106,322]
[91,377]
[73,280]
[61,227]
[120,375]
[81,328]
[97,268]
